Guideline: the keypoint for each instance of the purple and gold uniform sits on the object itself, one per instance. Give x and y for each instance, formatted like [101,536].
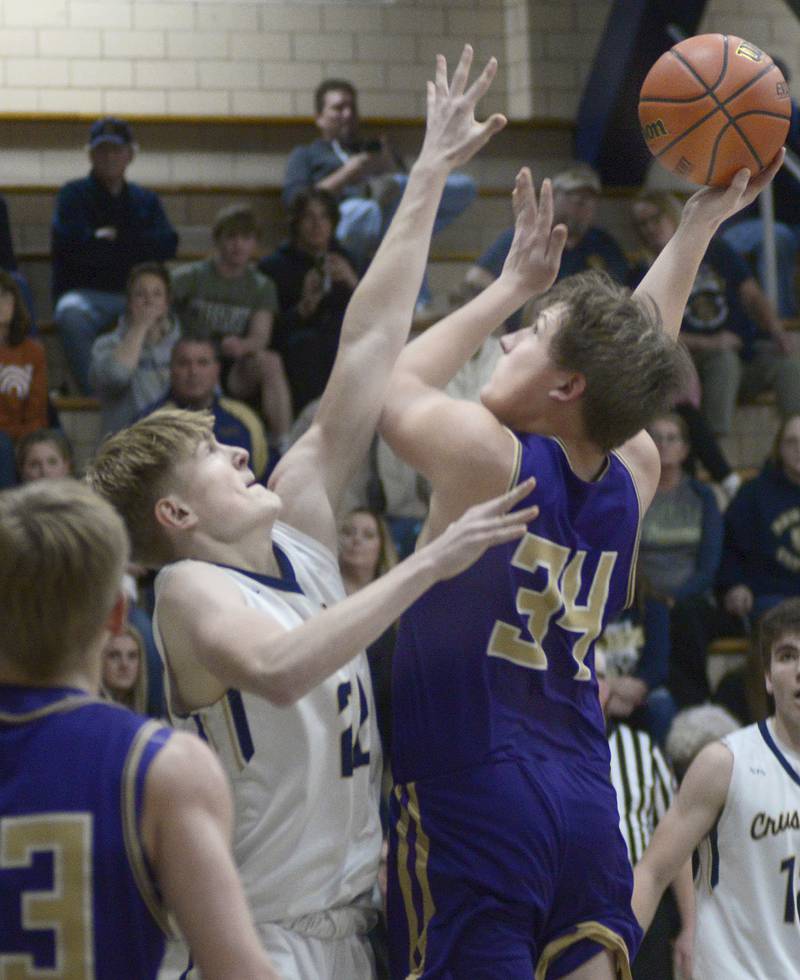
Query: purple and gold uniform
[77,898]
[506,855]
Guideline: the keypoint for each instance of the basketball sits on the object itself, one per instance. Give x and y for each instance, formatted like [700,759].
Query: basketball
[712,105]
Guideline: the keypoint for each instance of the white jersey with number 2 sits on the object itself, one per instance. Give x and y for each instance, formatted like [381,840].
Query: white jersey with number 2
[748,885]
[305,778]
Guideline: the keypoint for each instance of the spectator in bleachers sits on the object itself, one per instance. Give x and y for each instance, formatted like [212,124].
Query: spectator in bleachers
[23,377]
[761,555]
[730,327]
[194,385]
[130,366]
[349,167]
[8,261]
[124,677]
[45,454]
[744,232]
[226,298]
[315,279]
[679,554]
[576,193]
[103,225]
[366,551]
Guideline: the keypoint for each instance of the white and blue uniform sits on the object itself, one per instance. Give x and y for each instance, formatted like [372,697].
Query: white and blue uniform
[305,781]
[748,882]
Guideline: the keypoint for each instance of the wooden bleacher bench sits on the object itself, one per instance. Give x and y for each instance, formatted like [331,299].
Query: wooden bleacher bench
[724,655]
[75,403]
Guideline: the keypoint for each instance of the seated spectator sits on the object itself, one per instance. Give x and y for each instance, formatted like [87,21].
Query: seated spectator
[761,554]
[8,261]
[315,280]
[344,164]
[679,554]
[124,678]
[194,384]
[225,298]
[760,567]
[366,552]
[23,377]
[730,327]
[576,192]
[130,366]
[103,226]
[744,232]
[45,454]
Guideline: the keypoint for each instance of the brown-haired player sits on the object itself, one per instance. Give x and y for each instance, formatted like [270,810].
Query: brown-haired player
[263,650]
[506,857]
[108,821]
[739,804]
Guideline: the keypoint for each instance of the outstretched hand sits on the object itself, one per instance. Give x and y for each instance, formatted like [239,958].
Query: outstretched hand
[535,253]
[715,204]
[452,133]
[480,528]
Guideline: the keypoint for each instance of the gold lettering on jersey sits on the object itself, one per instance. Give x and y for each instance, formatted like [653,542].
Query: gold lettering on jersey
[764,825]
[560,592]
[66,908]
[785,521]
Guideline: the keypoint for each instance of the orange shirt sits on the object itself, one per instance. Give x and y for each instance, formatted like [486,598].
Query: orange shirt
[23,388]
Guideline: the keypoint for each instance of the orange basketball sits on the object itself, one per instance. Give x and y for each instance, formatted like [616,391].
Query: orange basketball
[712,105]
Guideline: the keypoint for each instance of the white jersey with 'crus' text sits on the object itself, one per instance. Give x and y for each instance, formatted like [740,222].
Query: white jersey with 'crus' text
[748,884]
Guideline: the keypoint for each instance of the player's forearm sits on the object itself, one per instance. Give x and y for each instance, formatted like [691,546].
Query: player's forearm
[647,891]
[295,662]
[683,889]
[386,295]
[669,280]
[439,353]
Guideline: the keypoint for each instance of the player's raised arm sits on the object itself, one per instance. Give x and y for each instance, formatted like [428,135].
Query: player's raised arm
[379,315]
[231,645]
[186,830]
[416,412]
[692,815]
[669,280]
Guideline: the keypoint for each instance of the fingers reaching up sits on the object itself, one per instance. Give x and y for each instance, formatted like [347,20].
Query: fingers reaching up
[453,135]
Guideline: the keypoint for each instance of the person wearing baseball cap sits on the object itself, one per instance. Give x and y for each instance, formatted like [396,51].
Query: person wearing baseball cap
[103,225]
[576,193]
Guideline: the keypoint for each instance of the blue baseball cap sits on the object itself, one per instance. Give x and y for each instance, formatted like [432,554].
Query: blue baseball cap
[109,129]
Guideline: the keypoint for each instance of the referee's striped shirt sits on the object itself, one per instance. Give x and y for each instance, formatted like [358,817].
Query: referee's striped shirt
[644,786]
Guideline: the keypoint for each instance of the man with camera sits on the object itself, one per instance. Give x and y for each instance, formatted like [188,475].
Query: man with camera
[362,175]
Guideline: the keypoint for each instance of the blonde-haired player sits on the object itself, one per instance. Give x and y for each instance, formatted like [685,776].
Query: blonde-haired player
[264,653]
[93,796]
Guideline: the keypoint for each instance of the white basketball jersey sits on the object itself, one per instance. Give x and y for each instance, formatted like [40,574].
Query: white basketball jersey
[748,885]
[305,778]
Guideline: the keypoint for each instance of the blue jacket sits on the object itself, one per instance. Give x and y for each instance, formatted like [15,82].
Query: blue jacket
[762,536]
[83,261]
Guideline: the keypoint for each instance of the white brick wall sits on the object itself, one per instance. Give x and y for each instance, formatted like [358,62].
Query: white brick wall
[137,55]
[265,57]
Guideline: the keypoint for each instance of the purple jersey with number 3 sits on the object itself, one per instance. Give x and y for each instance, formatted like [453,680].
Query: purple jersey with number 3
[498,662]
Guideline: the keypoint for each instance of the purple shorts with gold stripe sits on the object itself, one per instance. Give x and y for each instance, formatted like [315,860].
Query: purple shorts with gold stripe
[514,869]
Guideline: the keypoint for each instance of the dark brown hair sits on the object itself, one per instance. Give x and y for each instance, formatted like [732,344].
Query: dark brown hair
[774,625]
[20,318]
[333,85]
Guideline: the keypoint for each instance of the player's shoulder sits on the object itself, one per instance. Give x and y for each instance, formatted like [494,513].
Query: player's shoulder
[708,778]
[641,459]
[191,580]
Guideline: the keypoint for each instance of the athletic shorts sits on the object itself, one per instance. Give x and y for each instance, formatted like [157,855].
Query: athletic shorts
[511,870]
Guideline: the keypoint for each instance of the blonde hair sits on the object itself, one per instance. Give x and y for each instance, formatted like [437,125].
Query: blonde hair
[136,698]
[133,469]
[63,552]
